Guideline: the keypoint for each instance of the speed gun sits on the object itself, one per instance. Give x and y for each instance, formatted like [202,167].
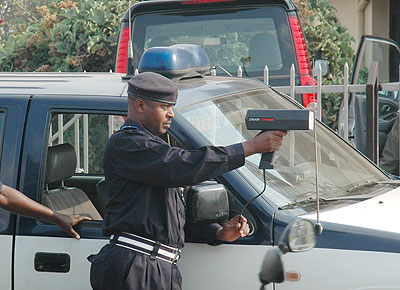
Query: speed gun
[278,120]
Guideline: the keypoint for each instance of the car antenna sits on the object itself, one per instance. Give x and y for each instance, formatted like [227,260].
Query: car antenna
[318,225]
[129,69]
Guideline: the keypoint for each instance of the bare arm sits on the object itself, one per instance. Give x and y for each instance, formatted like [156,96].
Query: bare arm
[16,202]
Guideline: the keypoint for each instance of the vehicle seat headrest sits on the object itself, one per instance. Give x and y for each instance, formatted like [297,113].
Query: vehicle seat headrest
[264,49]
[61,162]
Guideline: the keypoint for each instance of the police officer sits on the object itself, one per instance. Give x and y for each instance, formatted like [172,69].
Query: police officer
[389,160]
[18,203]
[145,214]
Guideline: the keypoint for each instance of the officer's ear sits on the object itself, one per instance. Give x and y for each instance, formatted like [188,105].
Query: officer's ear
[138,105]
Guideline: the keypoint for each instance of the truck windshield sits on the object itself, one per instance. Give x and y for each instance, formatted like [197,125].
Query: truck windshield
[342,170]
[251,37]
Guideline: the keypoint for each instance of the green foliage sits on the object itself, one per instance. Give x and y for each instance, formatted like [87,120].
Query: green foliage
[82,35]
[327,39]
[68,36]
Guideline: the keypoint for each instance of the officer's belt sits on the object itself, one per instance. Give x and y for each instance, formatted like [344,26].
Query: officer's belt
[146,246]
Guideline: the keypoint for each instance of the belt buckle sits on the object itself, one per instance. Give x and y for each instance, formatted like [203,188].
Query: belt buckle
[154,252]
[177,256]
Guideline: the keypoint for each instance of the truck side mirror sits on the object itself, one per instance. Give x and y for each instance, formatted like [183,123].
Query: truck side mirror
[324,67]
[207,202]
[298,236]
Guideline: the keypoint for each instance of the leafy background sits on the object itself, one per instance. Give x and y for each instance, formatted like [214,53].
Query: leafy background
[60,35]
[327,39]
[44,35]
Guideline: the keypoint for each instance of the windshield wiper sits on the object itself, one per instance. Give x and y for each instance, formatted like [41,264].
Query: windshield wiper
[224,70]
[369,183]
[323,200]
[366,183]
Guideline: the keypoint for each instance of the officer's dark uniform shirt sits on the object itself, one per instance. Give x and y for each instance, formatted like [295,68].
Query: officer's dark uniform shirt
[143,172]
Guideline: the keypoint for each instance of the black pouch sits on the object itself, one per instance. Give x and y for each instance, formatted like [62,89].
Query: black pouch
[100,256]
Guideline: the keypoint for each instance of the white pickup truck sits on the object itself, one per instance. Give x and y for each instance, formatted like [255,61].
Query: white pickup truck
[52,122]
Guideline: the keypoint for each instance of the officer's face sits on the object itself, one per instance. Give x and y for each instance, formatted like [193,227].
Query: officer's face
[157,117]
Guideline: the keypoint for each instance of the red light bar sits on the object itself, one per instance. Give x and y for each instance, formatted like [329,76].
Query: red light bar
[122,58]
[300,46]
[267,119]
[204,1]
[303,60]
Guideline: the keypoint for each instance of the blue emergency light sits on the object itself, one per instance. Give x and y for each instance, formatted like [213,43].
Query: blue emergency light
[176,62]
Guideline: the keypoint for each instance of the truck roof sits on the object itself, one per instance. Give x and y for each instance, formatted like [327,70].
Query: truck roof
[44,83]
[165,5]
[112,85]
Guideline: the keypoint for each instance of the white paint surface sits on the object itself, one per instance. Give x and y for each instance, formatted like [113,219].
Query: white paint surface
[5,261]
[379,213]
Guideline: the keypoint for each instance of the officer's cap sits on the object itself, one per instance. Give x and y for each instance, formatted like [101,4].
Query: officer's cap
[154,87]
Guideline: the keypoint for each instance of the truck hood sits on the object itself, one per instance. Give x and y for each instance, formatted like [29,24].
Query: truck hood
[381,213]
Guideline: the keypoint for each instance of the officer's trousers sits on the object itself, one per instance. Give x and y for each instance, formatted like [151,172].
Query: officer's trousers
[117,268]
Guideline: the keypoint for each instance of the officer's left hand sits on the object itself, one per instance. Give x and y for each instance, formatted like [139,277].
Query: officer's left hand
[233,229]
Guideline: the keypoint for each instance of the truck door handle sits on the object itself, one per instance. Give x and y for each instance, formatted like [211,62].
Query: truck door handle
[52,262]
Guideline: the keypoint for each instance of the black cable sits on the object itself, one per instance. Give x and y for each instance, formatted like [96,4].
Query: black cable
[258,195]
[245,71]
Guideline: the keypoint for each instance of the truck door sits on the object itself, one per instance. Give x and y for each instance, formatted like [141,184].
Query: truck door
[45,256]
[387,54]
[232,266]
[12,119]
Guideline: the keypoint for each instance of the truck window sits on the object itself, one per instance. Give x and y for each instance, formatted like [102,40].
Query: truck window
[341,172]
[2,117]
[74,180]
[4,215]
[251,38]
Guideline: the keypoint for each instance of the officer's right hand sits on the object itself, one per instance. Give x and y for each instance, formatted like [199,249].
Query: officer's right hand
[67,223]
[266,141]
